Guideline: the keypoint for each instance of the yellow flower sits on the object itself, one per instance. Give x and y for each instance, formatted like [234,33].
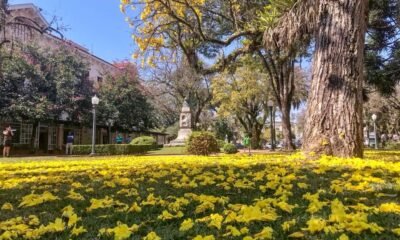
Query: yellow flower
[302,185]
[266,233]
[296,235]
[343,237]
[7,206]
[390,207]
[232,231]
[396,231]
[36,199]
[186,225]
[75,196]
[254,213]
[135,208]
[315,225]
[216,221]
[77,231]
[199,237]
[152,236]
[288,224]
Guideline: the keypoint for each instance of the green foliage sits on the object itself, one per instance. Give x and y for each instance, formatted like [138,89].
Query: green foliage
[113,149]
[221,143]
[202,143]
[144,140]
[38,84]
[382,53]
[273,11]
[230,148]
[223,129]
[393,146]
[123,101]
[243,95]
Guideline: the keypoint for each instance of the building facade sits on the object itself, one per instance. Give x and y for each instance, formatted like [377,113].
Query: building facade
[26,25]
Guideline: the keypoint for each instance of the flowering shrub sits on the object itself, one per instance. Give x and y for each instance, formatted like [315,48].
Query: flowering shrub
[230,148]
[225,197]
[202,143]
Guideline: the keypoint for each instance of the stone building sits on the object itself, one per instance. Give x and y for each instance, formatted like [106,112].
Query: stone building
[33,28]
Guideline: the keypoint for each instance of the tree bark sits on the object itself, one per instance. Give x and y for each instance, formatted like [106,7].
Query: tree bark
[256,136]
[287,126]
[280,68]
[334,115]
[33,135]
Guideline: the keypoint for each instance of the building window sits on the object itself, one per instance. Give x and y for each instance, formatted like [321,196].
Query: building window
[26,133]
[99,80]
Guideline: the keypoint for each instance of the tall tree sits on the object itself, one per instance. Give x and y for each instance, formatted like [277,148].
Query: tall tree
[38,85]
[382,59]
[220,31]
[334,115]
[244,95]
[178,81]
[124,102]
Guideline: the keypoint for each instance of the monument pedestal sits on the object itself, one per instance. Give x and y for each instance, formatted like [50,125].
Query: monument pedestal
[185,127]
[183,135]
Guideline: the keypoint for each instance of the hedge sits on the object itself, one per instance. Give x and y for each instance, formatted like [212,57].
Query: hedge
[144,140]
[113,149]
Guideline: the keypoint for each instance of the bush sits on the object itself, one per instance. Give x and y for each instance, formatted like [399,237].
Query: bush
[112,149]
[221,143]
[229,148]
[144,140]
[393,146]
[202,143]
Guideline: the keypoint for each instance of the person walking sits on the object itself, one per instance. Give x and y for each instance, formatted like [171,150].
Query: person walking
[70,142]
[119,139]
[7,136]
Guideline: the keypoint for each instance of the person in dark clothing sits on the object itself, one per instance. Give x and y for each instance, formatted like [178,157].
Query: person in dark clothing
[7,142]
[70,142]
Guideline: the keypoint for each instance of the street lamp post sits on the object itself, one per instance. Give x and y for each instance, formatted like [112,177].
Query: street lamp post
[271,105]
[374,117]
[95,102]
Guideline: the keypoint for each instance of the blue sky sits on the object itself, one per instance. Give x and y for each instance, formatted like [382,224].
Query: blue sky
[95,24]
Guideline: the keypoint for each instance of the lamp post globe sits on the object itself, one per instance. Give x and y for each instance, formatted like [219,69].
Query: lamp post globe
[95,102]
[374,117]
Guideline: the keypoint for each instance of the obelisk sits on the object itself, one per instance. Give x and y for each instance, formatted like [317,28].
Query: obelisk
[185,126]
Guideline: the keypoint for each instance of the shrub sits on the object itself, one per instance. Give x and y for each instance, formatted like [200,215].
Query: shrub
[393,146]
[144,140]
[112,149]
[202,143]
[230,148]
[221,143]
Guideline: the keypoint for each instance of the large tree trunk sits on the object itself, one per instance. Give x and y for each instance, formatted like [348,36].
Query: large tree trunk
[334,115]
[280,68]
[286,126]
[255,136]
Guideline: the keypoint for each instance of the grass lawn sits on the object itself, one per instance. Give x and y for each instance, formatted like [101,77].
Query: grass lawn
[274,196]
[169,151]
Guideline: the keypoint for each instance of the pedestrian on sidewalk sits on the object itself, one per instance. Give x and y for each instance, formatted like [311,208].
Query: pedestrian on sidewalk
[7,142]
[70,141]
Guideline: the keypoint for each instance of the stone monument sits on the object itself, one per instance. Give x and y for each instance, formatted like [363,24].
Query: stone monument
[185,126]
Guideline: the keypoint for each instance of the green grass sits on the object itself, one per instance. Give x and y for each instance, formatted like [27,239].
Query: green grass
[169,151]
[217,176]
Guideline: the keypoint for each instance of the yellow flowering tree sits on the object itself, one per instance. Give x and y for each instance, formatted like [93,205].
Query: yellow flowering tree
[217,30]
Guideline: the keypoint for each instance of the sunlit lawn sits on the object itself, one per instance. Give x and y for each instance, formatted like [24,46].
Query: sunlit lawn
[169,151]
[185,197]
